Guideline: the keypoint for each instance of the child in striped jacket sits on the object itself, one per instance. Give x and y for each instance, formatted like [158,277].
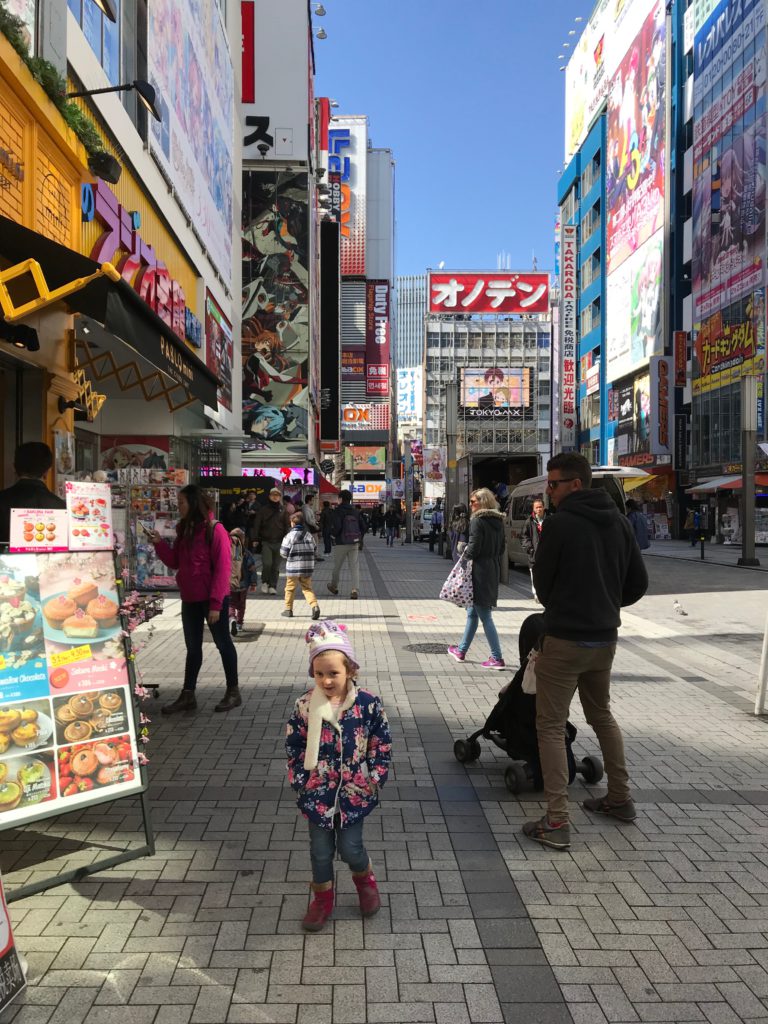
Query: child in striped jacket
[298,550]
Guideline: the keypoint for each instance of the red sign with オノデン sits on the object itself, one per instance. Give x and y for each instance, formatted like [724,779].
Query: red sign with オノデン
[494,291]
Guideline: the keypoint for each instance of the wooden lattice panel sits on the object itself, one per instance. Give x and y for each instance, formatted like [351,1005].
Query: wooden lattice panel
[11,155]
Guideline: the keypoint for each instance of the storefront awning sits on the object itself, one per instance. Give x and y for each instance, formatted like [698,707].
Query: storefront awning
[327,490]
[115,305]
[636,481]
[726,483]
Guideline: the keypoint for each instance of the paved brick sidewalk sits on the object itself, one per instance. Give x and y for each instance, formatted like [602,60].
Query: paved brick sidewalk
[665,920]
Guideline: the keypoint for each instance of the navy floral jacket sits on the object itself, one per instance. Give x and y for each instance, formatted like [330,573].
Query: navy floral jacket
[352,763]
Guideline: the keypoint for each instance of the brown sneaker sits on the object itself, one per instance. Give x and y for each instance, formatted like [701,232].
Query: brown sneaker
[601,805]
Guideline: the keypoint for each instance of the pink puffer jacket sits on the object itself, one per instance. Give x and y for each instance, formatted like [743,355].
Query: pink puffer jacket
[203,569]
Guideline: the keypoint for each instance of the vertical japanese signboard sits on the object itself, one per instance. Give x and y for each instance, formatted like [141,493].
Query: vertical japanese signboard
[377,337]
[347,156]
[661,410]
[568,312]
[681,357]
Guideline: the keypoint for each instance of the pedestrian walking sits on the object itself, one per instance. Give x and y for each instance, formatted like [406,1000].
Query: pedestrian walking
[243,575]
[588,566]
[201,555]
[459,529]
[391,524]
[693,523]
[639,524]
[326,527]
[529,540]
[298,550]
[31,462]
[270,524]
[348,530]
[339,750]
[484,549]
[310,521]
[435,526]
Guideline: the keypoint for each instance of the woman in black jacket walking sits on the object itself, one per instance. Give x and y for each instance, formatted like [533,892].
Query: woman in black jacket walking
[485,547]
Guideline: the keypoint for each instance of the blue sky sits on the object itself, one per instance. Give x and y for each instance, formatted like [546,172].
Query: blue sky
[468,95]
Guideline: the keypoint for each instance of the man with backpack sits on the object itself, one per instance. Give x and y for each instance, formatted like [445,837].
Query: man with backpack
[270,525]
[348,530]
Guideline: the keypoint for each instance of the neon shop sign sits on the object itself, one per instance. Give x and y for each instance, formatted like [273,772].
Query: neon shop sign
[140,267]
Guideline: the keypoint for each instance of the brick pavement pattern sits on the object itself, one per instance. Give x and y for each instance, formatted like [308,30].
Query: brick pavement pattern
[664,920]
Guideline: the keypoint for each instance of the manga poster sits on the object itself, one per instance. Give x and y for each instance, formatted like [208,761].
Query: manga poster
[275,328]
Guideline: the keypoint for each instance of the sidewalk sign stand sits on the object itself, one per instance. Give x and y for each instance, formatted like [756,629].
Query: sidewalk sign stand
[69,716]
[12,980]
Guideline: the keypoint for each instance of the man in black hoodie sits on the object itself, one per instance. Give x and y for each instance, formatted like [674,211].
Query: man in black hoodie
[588,566]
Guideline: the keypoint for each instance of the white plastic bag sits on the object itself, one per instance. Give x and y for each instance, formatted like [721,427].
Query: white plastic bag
[529,678]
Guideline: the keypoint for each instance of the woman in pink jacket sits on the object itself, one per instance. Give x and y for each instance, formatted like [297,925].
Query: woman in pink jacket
[202,556]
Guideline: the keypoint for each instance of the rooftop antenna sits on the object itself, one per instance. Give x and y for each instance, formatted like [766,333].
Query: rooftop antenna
[535,262]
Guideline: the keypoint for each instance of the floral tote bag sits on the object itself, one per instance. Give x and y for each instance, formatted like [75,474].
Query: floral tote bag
[458,587]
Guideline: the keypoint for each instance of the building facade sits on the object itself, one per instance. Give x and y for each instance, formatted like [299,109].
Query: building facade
[411,294]
[99,353]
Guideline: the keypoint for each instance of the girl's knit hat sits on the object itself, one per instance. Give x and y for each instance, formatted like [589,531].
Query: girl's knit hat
[329,636]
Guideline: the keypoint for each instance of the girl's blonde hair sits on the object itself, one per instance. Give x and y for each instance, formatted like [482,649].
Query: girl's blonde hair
[485,499]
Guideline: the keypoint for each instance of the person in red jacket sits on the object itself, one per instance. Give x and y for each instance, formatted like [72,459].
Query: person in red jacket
[202,556]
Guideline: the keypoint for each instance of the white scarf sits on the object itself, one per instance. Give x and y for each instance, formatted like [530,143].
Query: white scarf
[321,710]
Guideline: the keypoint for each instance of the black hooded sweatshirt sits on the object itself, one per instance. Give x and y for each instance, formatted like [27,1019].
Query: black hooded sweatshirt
[588,566]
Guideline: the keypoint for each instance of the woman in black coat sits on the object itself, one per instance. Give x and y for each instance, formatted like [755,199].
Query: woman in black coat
[484,548]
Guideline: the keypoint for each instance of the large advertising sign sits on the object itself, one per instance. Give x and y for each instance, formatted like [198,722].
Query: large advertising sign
[347,157]
[600,49]
[190,67]
[633,325]
[494,291]
[634,433]
[730,344]
[275,330]
[218,349]
[377,337]
[495,392]
[365,458]
[365,416]
[275,79]
[729,156]
[568,321]
[352,363]
[67,727]
[636,157]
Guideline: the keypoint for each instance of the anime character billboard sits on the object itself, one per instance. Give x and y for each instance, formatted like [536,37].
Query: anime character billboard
[275,328]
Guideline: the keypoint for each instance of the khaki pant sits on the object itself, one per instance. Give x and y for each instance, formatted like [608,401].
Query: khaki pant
[341,553]
[306,587]
[562,668]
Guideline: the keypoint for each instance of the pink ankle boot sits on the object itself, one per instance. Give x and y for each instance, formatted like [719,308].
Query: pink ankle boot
[320,910]
[367,893]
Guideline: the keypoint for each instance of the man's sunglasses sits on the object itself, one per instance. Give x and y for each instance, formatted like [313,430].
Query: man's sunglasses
[556,483]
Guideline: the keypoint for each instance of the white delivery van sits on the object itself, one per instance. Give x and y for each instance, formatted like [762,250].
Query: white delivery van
[610,478]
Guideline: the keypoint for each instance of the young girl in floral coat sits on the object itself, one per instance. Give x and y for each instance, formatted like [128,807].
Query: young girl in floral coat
[339,749]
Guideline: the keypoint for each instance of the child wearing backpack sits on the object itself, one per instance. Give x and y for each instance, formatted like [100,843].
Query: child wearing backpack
[298,550]
[348,533]
[242,576]
[339,751]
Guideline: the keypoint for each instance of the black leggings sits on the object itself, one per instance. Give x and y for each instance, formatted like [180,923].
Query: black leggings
[193,616]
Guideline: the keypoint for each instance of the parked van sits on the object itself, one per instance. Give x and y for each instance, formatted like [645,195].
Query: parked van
[423,522]
[522,497]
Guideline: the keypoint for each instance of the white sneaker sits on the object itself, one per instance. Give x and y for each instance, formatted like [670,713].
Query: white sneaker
[264,588]
[272,590]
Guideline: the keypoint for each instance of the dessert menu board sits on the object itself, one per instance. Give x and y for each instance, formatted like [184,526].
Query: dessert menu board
[89,510]
[67,727]
[38,529]
[12,980]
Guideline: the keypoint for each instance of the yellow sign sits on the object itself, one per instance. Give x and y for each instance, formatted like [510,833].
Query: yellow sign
[74,654]
[32,269]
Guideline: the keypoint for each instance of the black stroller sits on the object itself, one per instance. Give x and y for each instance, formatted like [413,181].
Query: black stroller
[512,727]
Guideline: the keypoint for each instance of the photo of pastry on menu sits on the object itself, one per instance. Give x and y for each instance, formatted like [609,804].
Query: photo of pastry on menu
[22,648]
[81,621]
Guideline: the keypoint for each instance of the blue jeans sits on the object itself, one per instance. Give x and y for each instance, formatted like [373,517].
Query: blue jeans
[390,536]
[322,849]
[477,614]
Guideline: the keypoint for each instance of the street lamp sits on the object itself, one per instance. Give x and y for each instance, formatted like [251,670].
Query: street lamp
[146,93]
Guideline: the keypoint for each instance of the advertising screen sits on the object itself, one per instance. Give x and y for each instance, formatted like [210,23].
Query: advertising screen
[635,164]
[492,291]
[495,388]
[729,157]
[729,344]
[218,349]
[67,728]
[191,69]
[633,327]
[275,330]
[365,457]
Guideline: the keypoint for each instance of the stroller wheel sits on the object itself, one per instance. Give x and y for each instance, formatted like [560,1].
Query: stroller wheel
[466,751]
[591,768]
[515,778]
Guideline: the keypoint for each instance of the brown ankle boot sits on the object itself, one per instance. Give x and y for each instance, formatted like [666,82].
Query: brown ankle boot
[186,701]
[320,910]
[231,699]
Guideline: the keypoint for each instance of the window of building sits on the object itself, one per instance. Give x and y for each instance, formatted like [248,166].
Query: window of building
[103,35]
